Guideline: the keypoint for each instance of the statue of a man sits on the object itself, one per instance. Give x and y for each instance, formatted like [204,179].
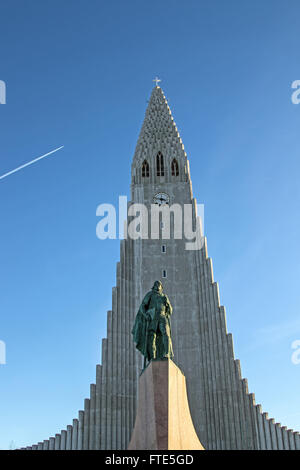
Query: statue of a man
[152,327]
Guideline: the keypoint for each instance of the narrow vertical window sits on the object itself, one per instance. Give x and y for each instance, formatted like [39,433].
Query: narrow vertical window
[145,169]
[174,167]
[160,171]
[164,273]
[163,249]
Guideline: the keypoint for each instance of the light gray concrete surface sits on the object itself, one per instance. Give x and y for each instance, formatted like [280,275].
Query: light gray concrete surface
[225,415]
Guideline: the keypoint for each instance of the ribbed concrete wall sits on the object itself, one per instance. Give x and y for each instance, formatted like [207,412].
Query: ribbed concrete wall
[229,417]
[224,412]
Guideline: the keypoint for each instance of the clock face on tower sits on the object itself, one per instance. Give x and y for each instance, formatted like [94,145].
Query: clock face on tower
[161,199]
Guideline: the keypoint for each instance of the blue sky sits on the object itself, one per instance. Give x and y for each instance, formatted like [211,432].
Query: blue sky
[79,74]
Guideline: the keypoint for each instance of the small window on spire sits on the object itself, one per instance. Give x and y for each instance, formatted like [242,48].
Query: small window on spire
[160,171]
[174,167]
[145,169]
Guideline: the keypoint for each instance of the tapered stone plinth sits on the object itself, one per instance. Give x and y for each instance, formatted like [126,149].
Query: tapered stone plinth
[163,420]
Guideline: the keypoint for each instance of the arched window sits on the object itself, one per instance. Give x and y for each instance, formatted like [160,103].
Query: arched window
[160,171]
[145,169]
[174,167]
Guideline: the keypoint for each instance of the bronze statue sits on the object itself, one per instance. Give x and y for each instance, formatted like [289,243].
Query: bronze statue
[152,327]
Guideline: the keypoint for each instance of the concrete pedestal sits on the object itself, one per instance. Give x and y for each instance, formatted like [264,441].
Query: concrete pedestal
[163,420]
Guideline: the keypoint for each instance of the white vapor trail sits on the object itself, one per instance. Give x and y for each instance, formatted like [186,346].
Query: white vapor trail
[29,163]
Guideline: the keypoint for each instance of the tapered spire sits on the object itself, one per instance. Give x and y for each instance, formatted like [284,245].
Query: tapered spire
[159,131]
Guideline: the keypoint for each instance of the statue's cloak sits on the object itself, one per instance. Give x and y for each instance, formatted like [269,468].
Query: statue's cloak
[140,327]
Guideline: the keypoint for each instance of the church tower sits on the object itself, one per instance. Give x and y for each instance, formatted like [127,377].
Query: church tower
[224,413]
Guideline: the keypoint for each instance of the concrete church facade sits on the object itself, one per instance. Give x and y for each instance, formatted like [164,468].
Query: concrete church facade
[224,413]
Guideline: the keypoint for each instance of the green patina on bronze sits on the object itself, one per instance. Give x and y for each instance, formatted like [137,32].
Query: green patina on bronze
[152,327]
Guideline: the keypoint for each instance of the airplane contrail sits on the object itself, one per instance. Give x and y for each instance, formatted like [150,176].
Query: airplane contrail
[29,163]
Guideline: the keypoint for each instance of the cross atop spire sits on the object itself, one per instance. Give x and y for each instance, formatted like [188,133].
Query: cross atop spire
[156,80]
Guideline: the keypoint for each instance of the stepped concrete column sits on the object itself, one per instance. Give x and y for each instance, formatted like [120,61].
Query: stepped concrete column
[86,424]
[80,429]
[51,443]
[75,434]
[57,442]
[46,444]
[163,420]
[63,440]
[69,437]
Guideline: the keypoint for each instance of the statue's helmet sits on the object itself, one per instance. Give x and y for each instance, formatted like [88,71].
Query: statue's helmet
[157,286]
